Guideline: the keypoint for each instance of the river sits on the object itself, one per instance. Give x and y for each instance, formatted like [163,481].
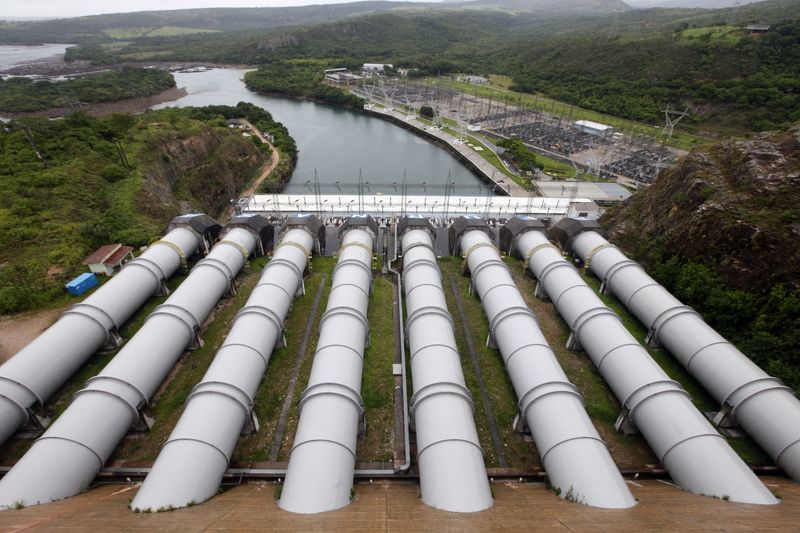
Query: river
[334,144]
[12,55]
[337,143]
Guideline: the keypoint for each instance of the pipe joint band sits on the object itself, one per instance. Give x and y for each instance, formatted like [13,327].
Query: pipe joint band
[440,441]
[509,312]
[182,315]
[359,244]
[153,268]
[634,293]
[448,347]
[779,455]
[596,249]
[95,314]
[281,288]
[481,297]
[244,251]
[199,441]
[220,266]
[296,244]
[278,261]
[651,390]
[529,253]
[571,439]
[752,388]
[579,285]
[115,396]
[435,286]
[424,244]
[587,316]
[692,437]
[529,345]
[334,389]
[688,362]
[177,249]
[429,310]
[227,390]
[328,346]
[348,311]
[616,267]
[329,441]
[107,383]
[546,389]
[101,461]
[555,265]
[666,316]
[6,382]
[266,312]
[26,414]
[439,388]
[420,262]
[351,263]
[355,286]
[263,357]
[493,262]
[475,246]
[602,358]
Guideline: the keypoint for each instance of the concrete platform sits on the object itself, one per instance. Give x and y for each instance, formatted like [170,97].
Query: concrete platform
[388,506]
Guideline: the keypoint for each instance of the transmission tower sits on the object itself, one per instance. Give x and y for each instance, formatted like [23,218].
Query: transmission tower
[671,118]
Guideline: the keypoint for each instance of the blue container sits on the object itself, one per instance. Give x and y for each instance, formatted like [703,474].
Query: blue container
[82,283]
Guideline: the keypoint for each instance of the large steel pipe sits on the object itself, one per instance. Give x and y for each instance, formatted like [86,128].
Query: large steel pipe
[39,369]
[697,457]
[573,454]
[452,474]
[67,457]
[191,464]
[322,461]
[761,404]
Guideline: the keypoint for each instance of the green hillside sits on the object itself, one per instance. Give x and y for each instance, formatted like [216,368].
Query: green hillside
[22,94]
[70,185]
[629,63]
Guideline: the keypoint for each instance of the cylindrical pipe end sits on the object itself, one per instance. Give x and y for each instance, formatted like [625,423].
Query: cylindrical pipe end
[322,478]
[52,470]
[453,478]
[12,416]
[707,465]
[185,473]
[581,470]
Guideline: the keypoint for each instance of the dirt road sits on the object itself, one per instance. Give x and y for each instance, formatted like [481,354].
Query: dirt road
[273,163]
[16,331]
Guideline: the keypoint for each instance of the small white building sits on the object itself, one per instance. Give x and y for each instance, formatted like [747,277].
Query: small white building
[342,77]
[593,128]
[376,68]
[108,258]
[474,80]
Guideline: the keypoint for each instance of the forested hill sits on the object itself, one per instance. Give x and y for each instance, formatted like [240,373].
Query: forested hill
[722,231]
[158,24]
[629,63]
[164,24]
[21,94]
[68,186]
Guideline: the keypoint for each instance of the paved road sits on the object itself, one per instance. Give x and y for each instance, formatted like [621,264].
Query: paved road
[487,169]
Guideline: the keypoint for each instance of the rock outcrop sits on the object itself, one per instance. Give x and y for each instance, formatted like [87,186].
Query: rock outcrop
[734,206]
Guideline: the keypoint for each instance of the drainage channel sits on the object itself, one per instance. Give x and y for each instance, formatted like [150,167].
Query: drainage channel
[301,352]
[476,365]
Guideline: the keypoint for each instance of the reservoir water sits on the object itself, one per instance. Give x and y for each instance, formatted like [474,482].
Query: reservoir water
[337,143]
[13,54]
[334,144]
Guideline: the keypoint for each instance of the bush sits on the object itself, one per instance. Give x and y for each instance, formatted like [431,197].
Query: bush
[113,173]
